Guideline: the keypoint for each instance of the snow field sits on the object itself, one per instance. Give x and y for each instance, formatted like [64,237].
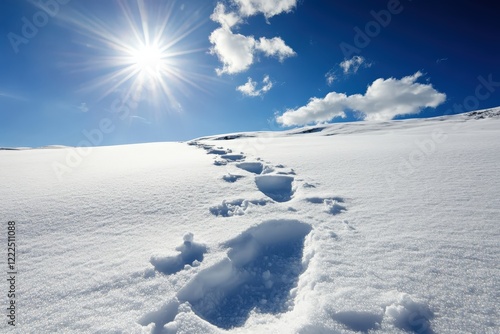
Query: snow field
[367,227]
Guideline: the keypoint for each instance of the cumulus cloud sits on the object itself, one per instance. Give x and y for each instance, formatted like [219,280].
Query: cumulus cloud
[383,100]
[275,47]
[352,65]
[250,88]
[237,52]
[226,20]
[268,8]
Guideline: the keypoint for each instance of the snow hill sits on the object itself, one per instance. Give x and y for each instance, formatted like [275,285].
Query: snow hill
[388,227]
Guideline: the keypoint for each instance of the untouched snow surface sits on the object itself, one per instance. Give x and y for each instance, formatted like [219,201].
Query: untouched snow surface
[386,227]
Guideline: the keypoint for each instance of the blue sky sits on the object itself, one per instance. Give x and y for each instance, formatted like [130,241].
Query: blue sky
[133,71]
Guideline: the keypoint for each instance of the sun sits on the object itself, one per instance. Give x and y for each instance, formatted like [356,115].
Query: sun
[151,57]
[148,61]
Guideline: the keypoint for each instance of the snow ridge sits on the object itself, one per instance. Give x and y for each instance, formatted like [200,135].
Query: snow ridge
[482,114]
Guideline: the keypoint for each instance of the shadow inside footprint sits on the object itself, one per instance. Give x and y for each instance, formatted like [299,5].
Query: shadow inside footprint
[359,321]
[277,187]
[189,253]
[321,200]
[164,315]
[218,151]
[231,178]
[233,157]
[263,265]
[252,167]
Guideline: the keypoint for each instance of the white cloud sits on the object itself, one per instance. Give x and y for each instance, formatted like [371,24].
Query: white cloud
[268,8]
[275,47]
[348,66]
[316,111]
[352,65]
[330,77]
[226,20]
[384,99]
[250,88]
[237,52]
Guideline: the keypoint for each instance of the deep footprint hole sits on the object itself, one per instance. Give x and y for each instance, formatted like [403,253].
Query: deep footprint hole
[252,167]
[277,187]
[263,266]
[266,287]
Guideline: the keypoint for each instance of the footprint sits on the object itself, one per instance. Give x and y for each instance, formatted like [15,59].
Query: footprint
[321,200]
[206,147]
[233,157]
[333,208]
[359,321]
[292,172]
[218,151]
[331,204]
[277,187]
[231,178]
[267,170]
[262,267]
[190,253]
[235,208]
[165,315]
[252,167]
[210,148]
[220,162]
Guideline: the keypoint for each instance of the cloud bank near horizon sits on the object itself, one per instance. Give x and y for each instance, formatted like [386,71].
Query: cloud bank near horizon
[383,100]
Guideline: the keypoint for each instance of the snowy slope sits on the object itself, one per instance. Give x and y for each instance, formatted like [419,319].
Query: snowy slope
[386,227]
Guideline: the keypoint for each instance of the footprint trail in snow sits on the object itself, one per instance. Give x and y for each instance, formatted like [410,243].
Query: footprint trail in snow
[263,264]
